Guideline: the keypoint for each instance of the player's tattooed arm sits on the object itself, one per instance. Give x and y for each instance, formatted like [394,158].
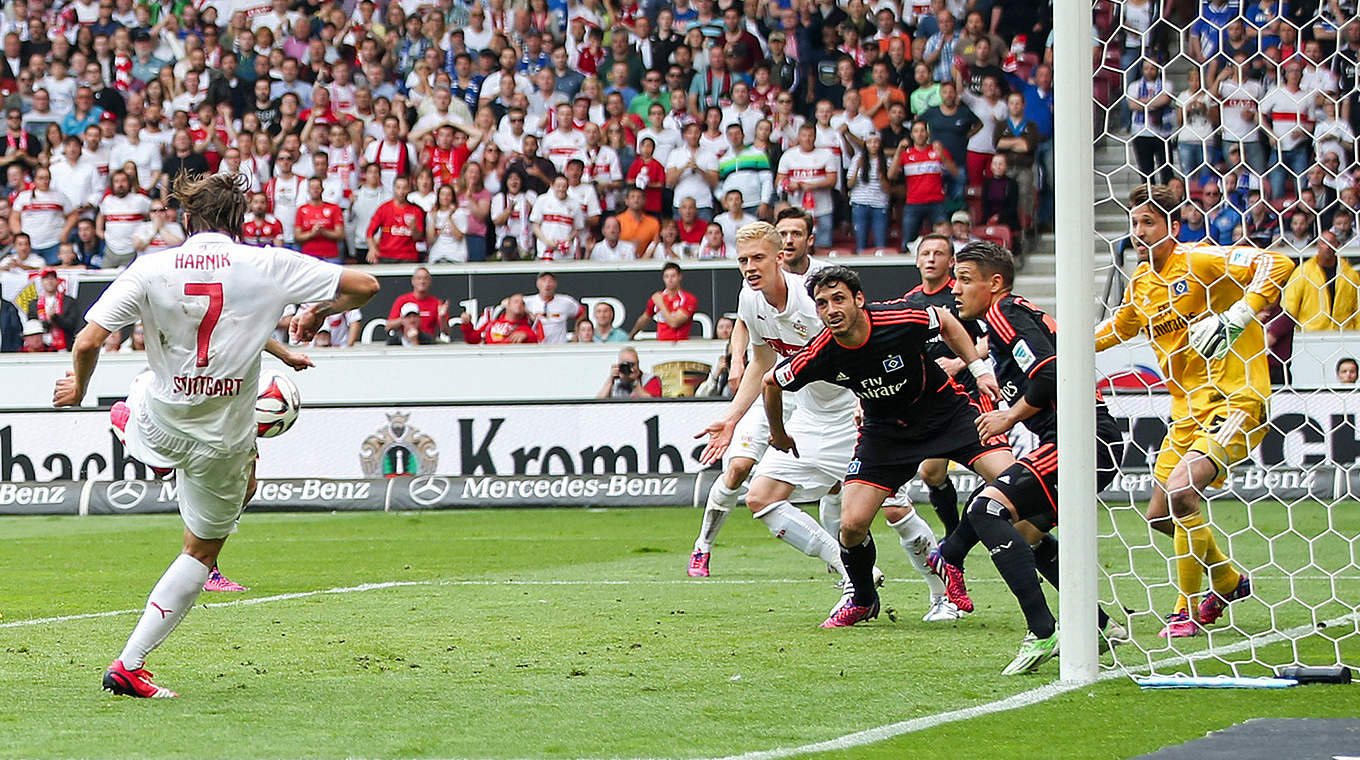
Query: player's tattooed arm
[355,290]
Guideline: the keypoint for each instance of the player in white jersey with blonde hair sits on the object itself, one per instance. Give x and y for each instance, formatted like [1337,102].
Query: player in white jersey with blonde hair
[751,436]
[208,307]
[781,318]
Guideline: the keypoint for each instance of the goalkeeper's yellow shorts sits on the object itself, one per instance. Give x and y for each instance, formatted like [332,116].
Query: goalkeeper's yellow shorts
[1225,434]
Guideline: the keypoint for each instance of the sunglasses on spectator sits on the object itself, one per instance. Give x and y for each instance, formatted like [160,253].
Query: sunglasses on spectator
[160,208]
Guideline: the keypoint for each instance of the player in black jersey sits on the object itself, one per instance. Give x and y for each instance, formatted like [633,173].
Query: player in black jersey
[1016,511]
[935,262]
[913,411]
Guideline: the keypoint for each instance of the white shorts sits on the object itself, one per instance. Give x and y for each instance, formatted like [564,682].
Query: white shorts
[751,436]
[210,486]
[824,451]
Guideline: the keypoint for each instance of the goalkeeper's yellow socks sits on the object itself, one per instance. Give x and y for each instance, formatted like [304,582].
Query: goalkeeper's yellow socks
[1189,569]
[1197,549]
[1222,575]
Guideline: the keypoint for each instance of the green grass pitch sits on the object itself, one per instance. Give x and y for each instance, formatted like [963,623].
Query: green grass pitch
[573,633]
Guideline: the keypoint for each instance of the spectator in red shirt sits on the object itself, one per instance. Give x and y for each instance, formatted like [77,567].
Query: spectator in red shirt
[648,174]
[319,226]
[433,312]
[400,223]
[672,307]
[514,325]
[689,225]
[210,139]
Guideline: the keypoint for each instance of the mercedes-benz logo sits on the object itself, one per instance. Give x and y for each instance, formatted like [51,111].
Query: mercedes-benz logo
[428,490]
[125,494]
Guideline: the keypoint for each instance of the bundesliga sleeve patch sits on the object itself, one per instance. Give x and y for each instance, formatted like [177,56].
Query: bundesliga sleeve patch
[783,374]
[1024,356]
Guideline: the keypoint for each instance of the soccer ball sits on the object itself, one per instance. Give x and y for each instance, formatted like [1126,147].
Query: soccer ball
[276,408]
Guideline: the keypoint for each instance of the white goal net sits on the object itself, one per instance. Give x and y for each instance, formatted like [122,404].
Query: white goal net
[1249,111]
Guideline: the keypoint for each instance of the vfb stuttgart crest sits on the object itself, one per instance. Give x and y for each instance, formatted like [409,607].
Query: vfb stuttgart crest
[398,449]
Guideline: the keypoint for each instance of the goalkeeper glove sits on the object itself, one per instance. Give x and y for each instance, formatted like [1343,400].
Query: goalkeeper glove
[1213,335]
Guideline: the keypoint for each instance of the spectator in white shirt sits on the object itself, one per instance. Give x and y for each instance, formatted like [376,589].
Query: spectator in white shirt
[555,312]
[611,248]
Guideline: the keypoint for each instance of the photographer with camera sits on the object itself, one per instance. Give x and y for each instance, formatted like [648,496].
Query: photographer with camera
[627,380]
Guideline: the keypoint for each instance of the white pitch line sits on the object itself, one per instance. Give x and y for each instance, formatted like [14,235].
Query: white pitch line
[1023,699]
[234,603]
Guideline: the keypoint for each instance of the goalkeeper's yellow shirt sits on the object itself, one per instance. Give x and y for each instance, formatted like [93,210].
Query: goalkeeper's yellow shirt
[1195,280]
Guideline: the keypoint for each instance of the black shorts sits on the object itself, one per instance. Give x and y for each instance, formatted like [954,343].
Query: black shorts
[1031,484]
[888,453]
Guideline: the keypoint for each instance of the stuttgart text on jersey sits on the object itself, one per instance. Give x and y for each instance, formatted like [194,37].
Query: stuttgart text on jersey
[208,386]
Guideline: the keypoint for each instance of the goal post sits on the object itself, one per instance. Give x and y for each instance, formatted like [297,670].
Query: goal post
[1075,289]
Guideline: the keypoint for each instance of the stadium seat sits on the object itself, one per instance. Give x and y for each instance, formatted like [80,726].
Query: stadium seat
[996,233]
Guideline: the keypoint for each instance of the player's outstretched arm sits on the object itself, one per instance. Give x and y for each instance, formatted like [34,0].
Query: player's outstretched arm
[298,361]
[1125,323]
[719,431]
[70,390]
[355,290]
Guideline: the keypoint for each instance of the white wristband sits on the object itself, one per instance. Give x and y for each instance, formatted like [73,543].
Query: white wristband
[979,367]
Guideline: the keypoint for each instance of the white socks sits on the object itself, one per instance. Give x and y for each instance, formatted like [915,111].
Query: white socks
[799,530]
[173,595]
[721,500]
[918,541]
[829,511]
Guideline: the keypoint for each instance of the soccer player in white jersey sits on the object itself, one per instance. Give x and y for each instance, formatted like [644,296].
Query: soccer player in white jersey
[779,316]
[751,436]
[208,306]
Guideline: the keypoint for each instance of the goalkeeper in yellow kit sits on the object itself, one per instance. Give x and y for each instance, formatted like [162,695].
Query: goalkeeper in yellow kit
[1197,305]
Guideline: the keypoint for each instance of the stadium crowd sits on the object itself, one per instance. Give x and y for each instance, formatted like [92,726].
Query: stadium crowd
[1251,115]
[589,129]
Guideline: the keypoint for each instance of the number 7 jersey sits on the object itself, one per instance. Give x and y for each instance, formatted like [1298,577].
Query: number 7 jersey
[208,307]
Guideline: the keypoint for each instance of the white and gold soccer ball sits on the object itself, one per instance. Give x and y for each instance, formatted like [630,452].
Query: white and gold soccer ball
[276,408]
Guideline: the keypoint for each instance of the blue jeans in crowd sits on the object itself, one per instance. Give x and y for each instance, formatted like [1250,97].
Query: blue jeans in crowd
[915,213]
[955,184]
[1252,152]
[821,236]
[49,254]
[1043,158]
[1194,159]
[476,246]
[1295,161]
[869,219]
